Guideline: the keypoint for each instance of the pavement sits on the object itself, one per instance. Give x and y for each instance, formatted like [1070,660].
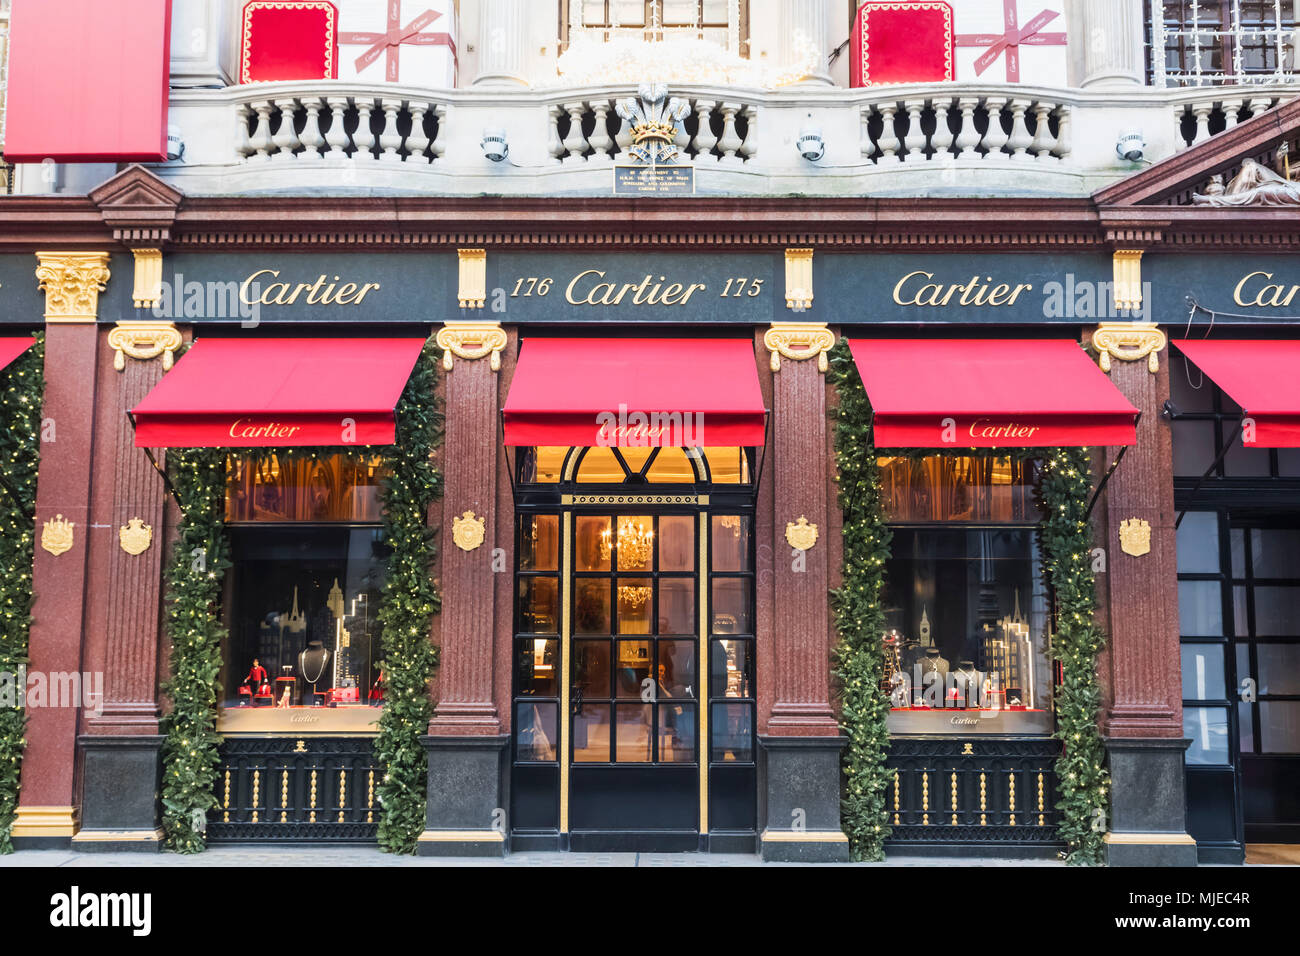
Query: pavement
[280,856]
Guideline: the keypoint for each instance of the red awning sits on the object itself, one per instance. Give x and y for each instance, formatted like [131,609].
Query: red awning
[1263,377]
[990,393]
[11,348]
[250,392]
[635,393]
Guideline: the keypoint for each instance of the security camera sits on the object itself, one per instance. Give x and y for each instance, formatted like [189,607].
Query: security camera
[175,145]
[810,144]
[1131,146]
[494,145]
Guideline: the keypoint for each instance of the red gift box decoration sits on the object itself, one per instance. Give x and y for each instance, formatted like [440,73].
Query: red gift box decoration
[901,43]
[289,40]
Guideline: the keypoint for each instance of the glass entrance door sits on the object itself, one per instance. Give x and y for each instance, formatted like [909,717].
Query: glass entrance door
[634,677]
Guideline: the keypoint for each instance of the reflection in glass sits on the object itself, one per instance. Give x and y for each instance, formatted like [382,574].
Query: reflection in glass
[677,543]
[635,606]
[1200,608]
[676,670]
[535,730]
[635,659]
[730,545]
[1279,668]
[591,669]
[539,543]
[1277,611]
[589,533]
[1279,726]
[731,605]
[591,606]
[676,605]
[1208,729]
[676,733]
[1245,730]
[732,670]
[1203,672]
[591,733]
[1198,543]
[1193,448]
[1274,552]
[539,605]
[633,744]
[732,732]
[537,667]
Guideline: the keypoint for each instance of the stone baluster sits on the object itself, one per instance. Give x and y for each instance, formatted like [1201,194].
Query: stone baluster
[364,137]
[889,143]
[286,140]
[439,144]
[704,139]
[941,141]
[243,145]
[1063,143]
[1020,138]
[600,140]
[914,141]
[968,136]
[390,140]
[418,141]
[865,143]
[683,139]
[262,143]
[729,142]
[337,135]
[1180,139]
[554,145]
[995,138]
[1043,143]
[1202,113]
[623,137]
[1259,104]
[311,135]
[1231,110]
[749,148]
[575,142]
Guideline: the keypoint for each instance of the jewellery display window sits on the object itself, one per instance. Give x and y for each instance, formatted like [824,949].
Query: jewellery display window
[308,562]
[965,598]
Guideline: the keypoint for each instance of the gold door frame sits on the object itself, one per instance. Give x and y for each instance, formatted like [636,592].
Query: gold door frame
[702,748]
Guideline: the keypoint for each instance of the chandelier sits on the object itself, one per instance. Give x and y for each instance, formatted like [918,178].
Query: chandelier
[636,543]
[635,597]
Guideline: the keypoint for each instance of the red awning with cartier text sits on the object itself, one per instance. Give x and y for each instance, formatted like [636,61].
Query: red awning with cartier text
[635,393]
[1263,377]
[259,393]
[88,81]
[990,393]
[12,347]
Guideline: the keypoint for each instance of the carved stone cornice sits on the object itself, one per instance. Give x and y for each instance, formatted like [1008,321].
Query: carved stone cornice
[798,341]
[72,282]
[138,206]
[1129,342]
[144,340]
[469,341]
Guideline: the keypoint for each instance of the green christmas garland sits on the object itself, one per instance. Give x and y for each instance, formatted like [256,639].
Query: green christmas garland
[1083,783]
[860,617]
[22,387]
[1066,542]
[410,600]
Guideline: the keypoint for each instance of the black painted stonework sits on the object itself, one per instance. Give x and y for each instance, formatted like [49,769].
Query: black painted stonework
[120,783]
[467,791]
[1147,797]
[800,781]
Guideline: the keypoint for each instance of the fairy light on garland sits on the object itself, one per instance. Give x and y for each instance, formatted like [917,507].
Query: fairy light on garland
[22,386]
[410,600]
[1064,537]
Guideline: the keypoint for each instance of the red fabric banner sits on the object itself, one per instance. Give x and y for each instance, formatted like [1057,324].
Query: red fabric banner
[12,347]
[88,81]
[288,40]
[901,43]
[1263,377]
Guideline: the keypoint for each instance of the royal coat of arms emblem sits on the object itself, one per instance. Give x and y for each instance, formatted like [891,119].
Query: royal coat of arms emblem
[468,531]
[801,534]
[135,536]
[1135,536]
[56,535]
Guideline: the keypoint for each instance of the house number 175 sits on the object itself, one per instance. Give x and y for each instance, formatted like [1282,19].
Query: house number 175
[737,287]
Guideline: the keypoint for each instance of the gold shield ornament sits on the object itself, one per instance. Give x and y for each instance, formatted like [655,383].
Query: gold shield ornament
[801,534]
[467,531]
[135,536]
[56,535]
[1135,536]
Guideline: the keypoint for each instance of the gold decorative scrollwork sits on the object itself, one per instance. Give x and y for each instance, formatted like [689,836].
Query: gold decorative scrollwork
[72,282]
[148,278]
[1128,342]
[798,341]
[1127,269]
[144,340]
[470,341]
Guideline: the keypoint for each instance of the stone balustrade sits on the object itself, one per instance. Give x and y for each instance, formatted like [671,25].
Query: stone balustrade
[968,126]
[1213,110]
[716,130]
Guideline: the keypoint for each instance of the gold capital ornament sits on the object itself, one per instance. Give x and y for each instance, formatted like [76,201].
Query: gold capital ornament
[1129,342]
[135,536]
[472,292]
[144,340]
[57,535]
[72,282]
[468,531]
[801,534]
[470,341]
[798,279]
[798,341]
[1135,536]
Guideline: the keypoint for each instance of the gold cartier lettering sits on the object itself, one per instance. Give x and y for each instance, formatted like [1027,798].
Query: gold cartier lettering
[910,290]
[649,291]
[983,428]
[320,292]
[272,430]
[1269,294]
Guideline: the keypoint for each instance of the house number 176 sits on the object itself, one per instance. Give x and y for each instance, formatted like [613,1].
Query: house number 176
[755,286]
[534,284]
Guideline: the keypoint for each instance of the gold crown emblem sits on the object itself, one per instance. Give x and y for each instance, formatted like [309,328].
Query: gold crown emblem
[663,132]
[135,536]
[801,534]
[468,531]
[57,535]
[1135,536]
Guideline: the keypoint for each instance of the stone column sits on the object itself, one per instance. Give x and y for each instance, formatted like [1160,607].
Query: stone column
[47,804]
[1111,37]
[1142,721]
[801,745]
[804,22]
[502,42]
[466,745]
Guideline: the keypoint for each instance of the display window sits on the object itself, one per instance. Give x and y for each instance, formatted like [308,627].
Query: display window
[303,594]
[966,604]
